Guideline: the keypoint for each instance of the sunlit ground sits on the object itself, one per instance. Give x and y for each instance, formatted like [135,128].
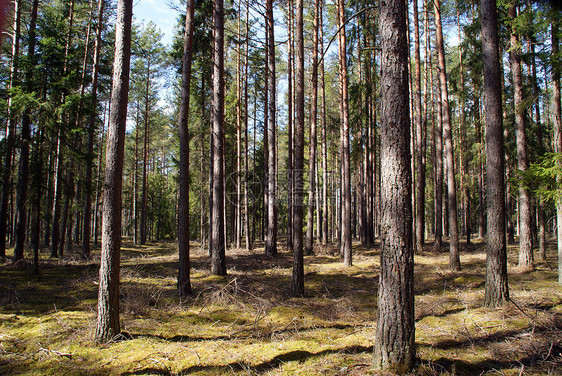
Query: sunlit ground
[247,323]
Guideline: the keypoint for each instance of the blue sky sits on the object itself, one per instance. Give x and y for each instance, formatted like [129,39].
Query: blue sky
[159,12]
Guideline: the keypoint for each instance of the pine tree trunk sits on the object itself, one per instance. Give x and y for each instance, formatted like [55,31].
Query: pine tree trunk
[217,244]
[11,132]
[557,128]
[497,291]
[290,125]
[525,241]
[325,218]
[23,172]
[91,135]
[271,239]
[454,257]
[184,284]
[346,235]
[107,326]
[297,284]
[312,144]
[420,167]
[394,349]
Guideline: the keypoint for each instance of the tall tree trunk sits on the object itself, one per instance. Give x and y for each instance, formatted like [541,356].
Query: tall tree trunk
[454,258]
[345,246]
[23,172]
[144,199]
[420,167]
[481,202]
[238,206]
[184,285]
[394,348]
[497,291]
[107,326]
[246,163]
[11,132]
[271,240]
[557,126]
[290,125]
[312,144]
[325,219]
[464,153]
[91,134]
[525,241]
[297,284]
[217,245]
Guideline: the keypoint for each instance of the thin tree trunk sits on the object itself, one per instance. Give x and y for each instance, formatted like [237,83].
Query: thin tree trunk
[325,219]
[91,134]
[394,349]
[107,326]
[454,257]
[246,163]
[184,285]
[557,128]
[497,291]
[420,167]
[525,241]
[217,245]
[297,285]
[290,125]
[10,132]
[144,199]
[271,240]
[345,248]
[23,172]
[312,144]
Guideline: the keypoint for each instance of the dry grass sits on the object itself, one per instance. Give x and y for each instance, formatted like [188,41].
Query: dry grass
[248,324]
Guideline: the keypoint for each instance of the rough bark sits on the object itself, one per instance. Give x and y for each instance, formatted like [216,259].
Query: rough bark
[497,291]
[394,348]
[557,126]
[107,326]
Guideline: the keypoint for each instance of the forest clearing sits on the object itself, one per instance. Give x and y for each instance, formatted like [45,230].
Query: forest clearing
[247,323]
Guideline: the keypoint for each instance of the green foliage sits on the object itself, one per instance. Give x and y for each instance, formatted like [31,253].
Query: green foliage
[545,176]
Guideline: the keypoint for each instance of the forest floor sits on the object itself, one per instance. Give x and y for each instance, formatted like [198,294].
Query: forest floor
[247,323]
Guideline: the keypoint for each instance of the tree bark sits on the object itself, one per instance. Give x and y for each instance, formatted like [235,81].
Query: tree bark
[312,144]
[297,284]
[91,133]
[271,239]
[184,285]
[454,258]
[346,234]
[420,167]
[557,126]
[107,326]
[525,241]
[217,245]
[394,349]
[497,291]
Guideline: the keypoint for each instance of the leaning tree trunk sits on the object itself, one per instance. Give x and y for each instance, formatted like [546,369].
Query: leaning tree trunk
[496,257]
[184,285]
[107,326]
[394,348]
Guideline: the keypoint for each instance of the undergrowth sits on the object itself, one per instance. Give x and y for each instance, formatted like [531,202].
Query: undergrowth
[248,324]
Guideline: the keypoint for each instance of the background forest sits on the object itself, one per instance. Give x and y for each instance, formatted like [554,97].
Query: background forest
[286,163]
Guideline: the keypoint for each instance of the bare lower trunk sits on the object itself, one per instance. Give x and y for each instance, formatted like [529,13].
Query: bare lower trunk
[394,349]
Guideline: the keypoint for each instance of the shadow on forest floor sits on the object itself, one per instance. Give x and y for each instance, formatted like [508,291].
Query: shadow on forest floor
[248,322]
